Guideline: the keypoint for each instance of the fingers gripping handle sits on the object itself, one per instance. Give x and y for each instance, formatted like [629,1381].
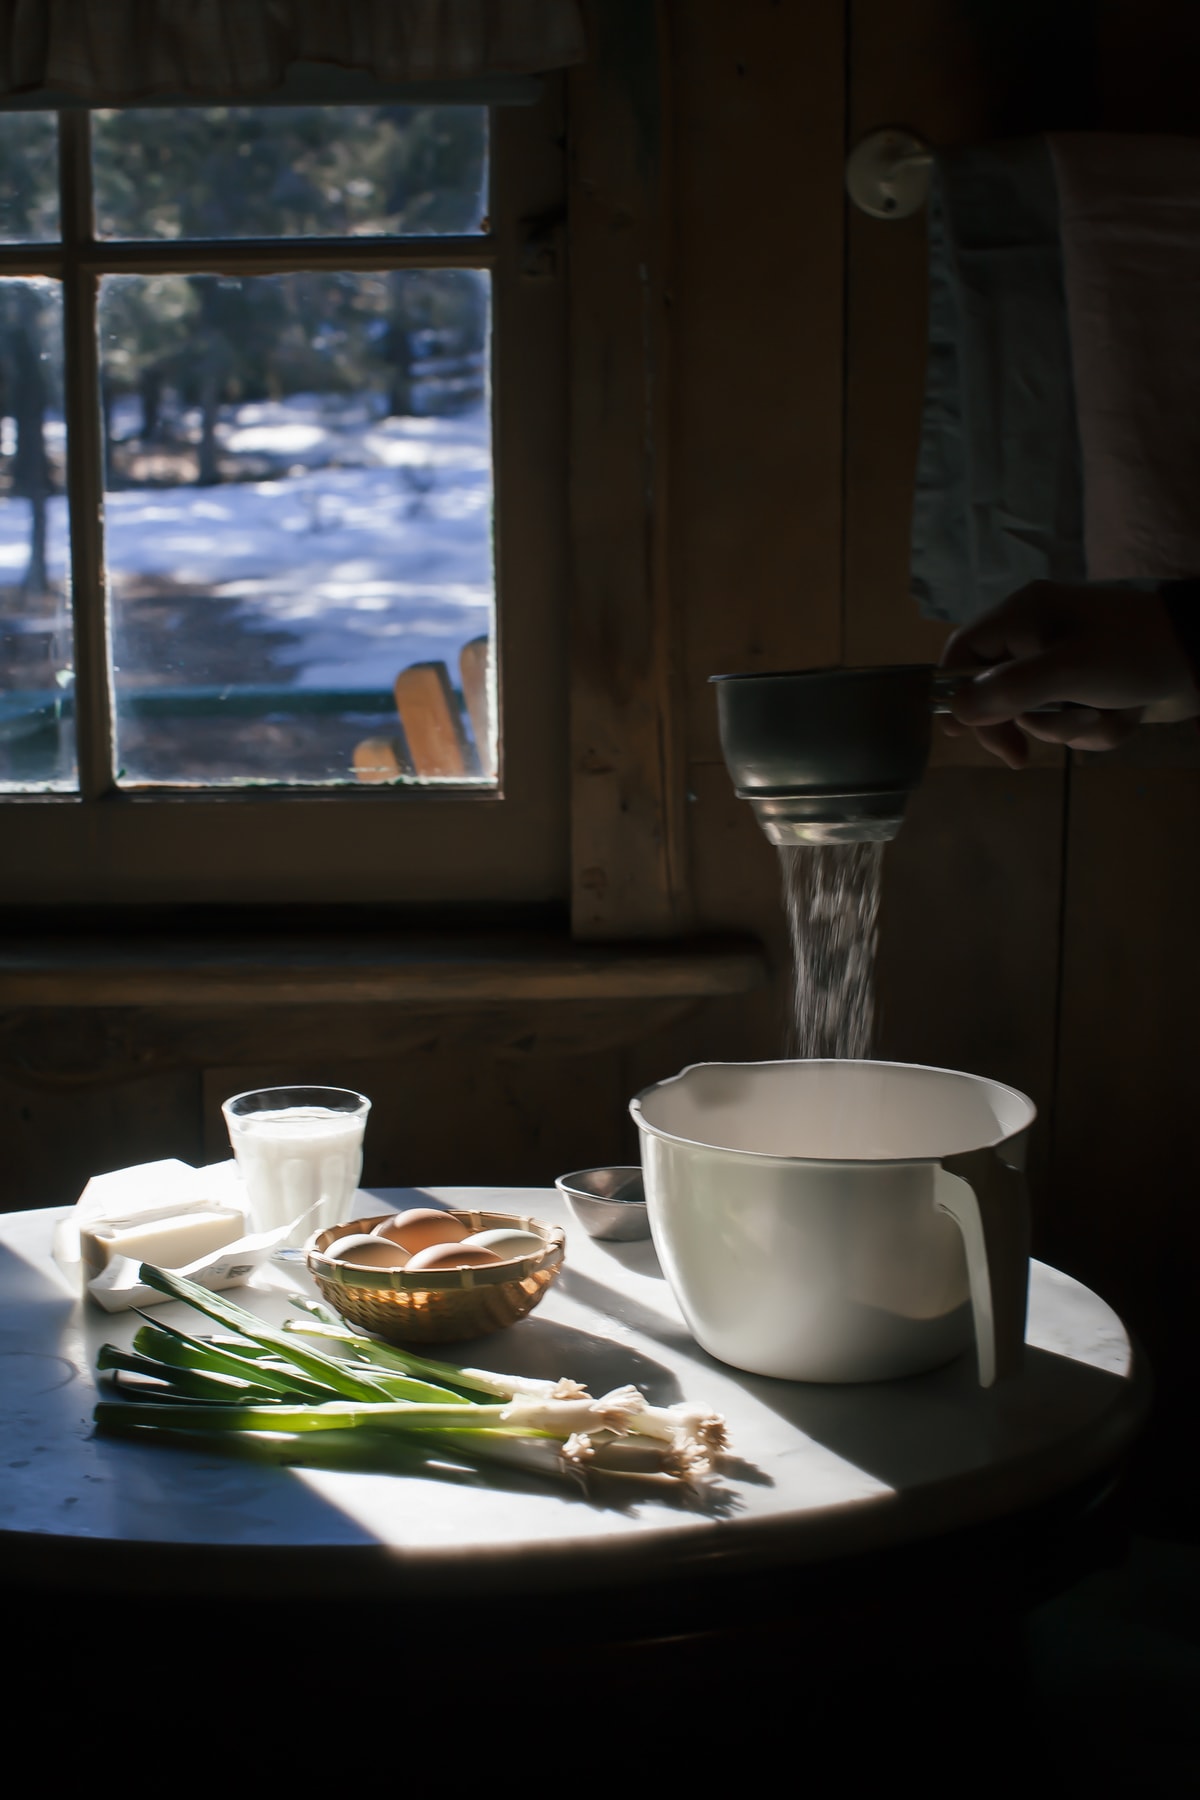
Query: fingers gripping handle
[989,1202]
[948,682]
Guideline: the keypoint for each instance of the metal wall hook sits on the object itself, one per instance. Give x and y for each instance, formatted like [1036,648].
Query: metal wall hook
[887,174]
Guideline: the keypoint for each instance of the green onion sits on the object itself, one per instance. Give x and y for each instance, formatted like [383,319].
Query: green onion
[686,1427]
[389,1452]
[240,1346]
[167,1345]
[215,1386]
[483,1381]
[253,1363]
[261,1387]
[549,1418]
[326,1369]
[318,1309]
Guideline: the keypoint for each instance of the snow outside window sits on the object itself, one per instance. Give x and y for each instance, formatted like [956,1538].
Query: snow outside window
[293,377]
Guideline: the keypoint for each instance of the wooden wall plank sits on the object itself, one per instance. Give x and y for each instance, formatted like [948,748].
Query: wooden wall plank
[1127,1167]
[103,1047]
[736,875]
[628,856]
[970,936]
[968,963]
[1126,1149]
[755,436]
[423,971]
[455,1115]
[757,323]
[918,68]
[59,1128]
[970,921]
[1147,54]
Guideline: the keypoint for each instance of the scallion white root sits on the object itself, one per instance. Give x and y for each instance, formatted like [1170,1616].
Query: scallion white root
[681,1425]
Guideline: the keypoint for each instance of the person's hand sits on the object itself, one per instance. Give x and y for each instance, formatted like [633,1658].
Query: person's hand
[1102,654]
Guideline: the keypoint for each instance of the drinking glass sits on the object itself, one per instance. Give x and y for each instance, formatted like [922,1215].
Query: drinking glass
[299,1150]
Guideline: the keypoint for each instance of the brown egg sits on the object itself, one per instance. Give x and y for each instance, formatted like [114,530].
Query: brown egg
[419,1227]
[365,1252]
[450,1256]
[507,1242]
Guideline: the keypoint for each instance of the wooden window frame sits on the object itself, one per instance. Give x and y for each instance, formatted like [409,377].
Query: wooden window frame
[419,845]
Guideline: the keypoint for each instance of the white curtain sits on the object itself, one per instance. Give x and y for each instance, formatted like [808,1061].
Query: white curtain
[117,52]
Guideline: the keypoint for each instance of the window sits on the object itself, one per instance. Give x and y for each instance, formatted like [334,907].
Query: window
[280,441]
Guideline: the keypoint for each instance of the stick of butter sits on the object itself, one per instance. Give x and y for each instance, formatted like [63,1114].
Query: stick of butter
[169,1241]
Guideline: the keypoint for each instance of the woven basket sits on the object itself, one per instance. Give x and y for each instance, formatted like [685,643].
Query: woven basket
[437,1306]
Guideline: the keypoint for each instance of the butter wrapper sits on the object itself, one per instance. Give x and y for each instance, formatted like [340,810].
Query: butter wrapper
[170,1240]
[192,1221]
[117,1287]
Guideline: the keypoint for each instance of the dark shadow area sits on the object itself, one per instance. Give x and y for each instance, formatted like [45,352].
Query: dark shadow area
[904,1431]
[825,1663]
[900,1671]
[399,1199]
[637,1255]
[610,1301]
[1116,1663]
[918,1429]
[545,1349]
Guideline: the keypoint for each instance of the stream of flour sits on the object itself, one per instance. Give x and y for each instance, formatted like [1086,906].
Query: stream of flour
[831,896]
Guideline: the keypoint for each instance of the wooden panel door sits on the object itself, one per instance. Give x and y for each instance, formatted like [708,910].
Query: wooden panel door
[1042,927]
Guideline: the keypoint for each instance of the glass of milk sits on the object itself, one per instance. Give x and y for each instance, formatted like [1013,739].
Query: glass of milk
[299,1151]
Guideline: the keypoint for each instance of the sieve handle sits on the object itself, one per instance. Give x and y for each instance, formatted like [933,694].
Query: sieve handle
[946,683]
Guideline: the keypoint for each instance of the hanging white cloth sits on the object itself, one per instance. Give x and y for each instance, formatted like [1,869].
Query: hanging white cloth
[1129,221]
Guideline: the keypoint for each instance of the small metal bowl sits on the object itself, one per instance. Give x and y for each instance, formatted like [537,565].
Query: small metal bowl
[609,1203]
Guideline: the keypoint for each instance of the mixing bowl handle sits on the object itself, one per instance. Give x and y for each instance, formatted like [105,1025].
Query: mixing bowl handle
[989,1202]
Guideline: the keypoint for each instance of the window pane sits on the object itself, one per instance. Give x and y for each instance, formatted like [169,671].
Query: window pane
[299,507]
[289,171]
[28,178]
[37,741]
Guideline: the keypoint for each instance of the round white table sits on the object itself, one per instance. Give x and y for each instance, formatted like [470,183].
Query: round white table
[814,1473]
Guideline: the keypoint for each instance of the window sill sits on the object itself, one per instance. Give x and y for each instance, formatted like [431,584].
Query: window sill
[429,972]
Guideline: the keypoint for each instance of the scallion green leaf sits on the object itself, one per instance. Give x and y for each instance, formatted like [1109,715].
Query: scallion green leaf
[168,1345]
[326,1369]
